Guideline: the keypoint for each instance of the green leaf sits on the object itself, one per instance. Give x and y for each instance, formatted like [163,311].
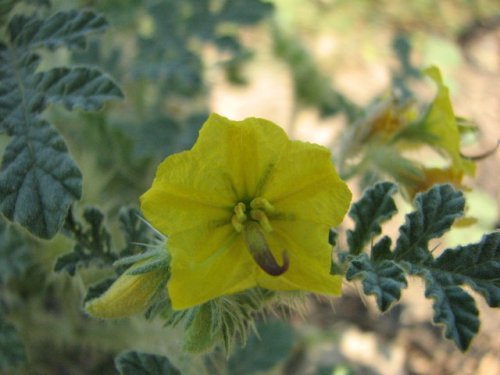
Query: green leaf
[93,243]
[454,308]
[14,253]
[38,179]
[436,210]
[137,363]
[80,87]
[62,29]
[383,279]
[477,265]
[262,352]
[375,206]
[12,351]
[244,12]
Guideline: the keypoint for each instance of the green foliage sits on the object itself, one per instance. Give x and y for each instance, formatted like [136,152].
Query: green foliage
[368,213]
[476,265]
[38,178]
[137,363]
[272,343]
[14,253]
[93,242]
[12,351]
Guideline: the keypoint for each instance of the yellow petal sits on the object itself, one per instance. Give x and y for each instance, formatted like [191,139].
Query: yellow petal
[128,295]
[242,150]
[304,184]
[310,259]
[186,193]
[441,122]
[226,272]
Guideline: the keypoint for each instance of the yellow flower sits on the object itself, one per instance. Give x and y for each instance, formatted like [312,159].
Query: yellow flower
[246,207]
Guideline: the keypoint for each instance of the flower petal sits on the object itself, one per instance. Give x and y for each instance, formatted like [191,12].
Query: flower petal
[186,192]
[226,272]
[304,185]
[310,259]
[249,148]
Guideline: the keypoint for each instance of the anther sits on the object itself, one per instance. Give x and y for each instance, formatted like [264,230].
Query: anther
[239,217]
[261,217]
[262,203]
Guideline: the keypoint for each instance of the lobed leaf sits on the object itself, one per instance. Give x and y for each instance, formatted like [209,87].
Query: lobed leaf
[14,253]
[137,363]
[453,307]
[384,279]
[477,265]
[81,87]
[93,243]
[68,28]
[375,206]
[38,179]
[435,212]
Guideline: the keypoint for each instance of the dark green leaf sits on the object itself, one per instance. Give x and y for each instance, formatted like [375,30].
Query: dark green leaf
[12,351]
[477,265]
[63,28]
[80,87]
[137,363]
[93,243]
[272,345]
[14,253]
[453,308]
[375,206]
[383,279]
[382,249]
[435,212]
[244,11]
[38,179]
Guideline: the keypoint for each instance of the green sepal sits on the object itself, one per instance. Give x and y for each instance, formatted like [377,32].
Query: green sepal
[199,336]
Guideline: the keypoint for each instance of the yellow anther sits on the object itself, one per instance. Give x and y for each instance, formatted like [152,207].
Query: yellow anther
[239,217]
[238,225]
[261,217]
[239,211]
[263,204]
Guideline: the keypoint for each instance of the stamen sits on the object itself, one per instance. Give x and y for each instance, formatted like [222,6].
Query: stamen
[261,217]
[263,204]
[239,217]
[259,249]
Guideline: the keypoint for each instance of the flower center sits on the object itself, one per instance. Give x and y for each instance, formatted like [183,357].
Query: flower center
[254,225]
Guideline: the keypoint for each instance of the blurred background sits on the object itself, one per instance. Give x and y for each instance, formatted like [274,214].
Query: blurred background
[315,67]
